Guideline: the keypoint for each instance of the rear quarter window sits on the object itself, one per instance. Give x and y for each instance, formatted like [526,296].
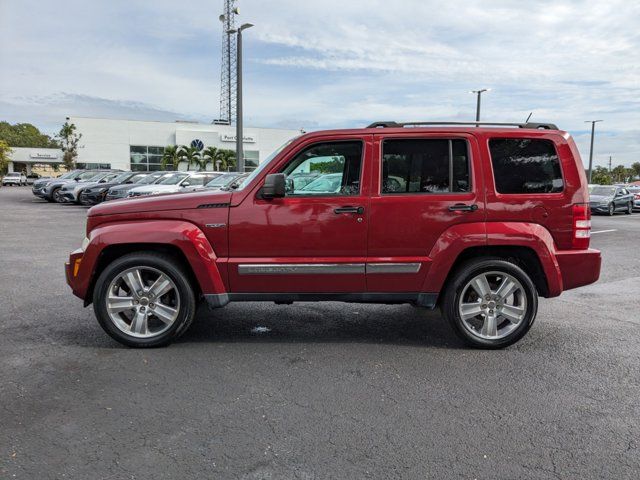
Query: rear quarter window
[525,165]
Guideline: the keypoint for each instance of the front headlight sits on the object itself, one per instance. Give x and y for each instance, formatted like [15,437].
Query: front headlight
[47,184]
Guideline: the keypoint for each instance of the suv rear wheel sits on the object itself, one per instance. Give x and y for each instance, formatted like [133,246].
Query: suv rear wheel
[490,303]
[144,300]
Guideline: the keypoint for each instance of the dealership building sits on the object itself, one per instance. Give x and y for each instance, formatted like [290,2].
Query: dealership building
[138,145]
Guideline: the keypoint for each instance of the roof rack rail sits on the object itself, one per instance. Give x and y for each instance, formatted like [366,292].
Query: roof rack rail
[535,126]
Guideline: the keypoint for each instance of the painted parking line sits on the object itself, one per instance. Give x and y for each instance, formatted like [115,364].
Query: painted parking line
[603,231]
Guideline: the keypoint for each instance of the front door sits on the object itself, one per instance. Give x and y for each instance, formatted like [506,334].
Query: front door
[314,239]
[422,186]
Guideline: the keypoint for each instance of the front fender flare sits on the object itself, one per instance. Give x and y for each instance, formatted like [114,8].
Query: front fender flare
[185,236]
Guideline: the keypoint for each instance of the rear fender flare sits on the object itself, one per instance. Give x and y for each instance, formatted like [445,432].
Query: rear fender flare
[455,240]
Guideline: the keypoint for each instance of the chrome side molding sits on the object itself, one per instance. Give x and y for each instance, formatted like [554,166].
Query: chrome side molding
[326,268]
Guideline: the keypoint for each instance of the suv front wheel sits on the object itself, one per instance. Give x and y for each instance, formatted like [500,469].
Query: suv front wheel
[144,300]
[490,303]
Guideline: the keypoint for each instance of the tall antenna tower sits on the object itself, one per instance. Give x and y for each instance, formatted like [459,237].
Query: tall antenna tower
[228,90]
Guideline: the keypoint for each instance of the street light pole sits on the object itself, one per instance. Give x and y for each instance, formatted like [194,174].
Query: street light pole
[593,130]
[479,93]
[239,135]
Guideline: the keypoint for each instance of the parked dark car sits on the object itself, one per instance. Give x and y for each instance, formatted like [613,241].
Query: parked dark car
[121,191]
[97,193]
[610,199]
[70,192]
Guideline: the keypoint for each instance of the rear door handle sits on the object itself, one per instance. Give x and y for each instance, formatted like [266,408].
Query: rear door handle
[461,207]
[358,210]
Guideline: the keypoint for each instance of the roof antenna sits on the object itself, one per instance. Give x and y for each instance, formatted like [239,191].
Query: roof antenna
[528,118]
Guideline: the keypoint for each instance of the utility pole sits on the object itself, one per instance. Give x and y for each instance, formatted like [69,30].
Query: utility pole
[479,94]
[593,129]
[610,164]
[239,134]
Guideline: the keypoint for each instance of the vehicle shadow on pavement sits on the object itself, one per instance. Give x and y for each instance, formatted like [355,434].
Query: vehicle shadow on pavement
[319,323]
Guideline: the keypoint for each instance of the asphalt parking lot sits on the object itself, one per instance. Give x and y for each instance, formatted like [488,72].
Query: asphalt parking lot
[312,391]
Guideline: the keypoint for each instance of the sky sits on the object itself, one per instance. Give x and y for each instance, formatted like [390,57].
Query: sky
[331,63]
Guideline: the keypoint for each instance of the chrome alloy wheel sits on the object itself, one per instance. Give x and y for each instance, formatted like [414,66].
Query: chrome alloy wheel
[492,305]
[142,302]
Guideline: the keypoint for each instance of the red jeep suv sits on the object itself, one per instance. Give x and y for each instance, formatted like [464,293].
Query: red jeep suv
[479,219]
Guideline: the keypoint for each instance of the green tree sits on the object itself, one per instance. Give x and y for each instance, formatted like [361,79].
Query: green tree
[191,155]
[221,158]
[636,169]
[69,140]
[619,174]
[5,150]
[601,176]
[171,157]
[25,135]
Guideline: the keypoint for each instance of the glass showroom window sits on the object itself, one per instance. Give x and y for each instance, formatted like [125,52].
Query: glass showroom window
[251,160]
[94,166]
[146,158]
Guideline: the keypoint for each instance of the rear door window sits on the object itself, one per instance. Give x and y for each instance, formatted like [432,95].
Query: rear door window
[525,165]
[425,166]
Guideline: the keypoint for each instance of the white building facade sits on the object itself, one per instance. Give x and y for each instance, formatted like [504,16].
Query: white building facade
[139,145]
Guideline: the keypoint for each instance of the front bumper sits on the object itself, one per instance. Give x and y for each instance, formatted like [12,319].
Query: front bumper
[579,267]
[68,195]
[76,278]
[599,208]
[91,198]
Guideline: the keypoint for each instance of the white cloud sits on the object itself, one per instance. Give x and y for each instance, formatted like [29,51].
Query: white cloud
[336,63]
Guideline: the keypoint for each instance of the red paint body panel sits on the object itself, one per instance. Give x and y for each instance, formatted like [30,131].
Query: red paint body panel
[217,231]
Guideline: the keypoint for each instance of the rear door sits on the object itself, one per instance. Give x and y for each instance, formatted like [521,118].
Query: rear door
[422,185]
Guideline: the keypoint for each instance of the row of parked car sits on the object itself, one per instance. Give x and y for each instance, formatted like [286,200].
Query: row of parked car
[609,199]
[90,187]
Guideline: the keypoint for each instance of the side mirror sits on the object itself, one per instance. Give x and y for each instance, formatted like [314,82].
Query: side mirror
[274,186]
[185,184]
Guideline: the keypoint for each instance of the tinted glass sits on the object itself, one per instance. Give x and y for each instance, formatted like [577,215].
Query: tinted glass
[337,165]
[425,166]
[173,179]
[523,165]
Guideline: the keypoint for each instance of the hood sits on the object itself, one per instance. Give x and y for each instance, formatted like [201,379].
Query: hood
[157,203]
[157,188]
[100,186]
[124,187]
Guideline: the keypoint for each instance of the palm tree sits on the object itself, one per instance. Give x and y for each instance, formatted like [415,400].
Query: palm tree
[171,156]
[227,159]
[211,155]
[191,155]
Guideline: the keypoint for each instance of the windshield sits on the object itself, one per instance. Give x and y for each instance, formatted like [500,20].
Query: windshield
[123,177]
[263,165]
[138,178]
[71,174]
[325,184]
[604,191]
[89,175]
[13,174]
[173,179]
[222,180]
[149,179]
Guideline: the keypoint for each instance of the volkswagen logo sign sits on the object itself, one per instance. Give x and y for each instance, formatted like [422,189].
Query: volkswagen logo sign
[197,143]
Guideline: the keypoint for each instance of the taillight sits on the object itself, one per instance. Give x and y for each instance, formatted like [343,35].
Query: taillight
[581,226]
[637,196]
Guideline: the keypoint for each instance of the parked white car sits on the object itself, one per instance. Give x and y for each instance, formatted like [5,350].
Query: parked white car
[174,183]
[14,178]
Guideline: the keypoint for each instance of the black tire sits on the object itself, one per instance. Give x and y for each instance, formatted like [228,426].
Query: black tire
[611,210]
[629,209]
[55,195]
[169,267]
[454,289]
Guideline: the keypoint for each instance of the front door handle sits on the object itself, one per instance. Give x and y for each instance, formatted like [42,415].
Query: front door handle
[358,210]
[461,207]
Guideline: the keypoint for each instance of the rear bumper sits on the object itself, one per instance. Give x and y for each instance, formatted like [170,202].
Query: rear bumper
[579,267]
